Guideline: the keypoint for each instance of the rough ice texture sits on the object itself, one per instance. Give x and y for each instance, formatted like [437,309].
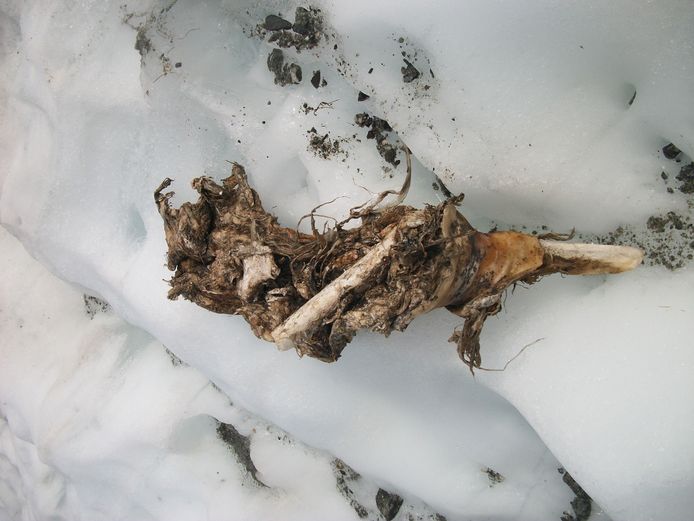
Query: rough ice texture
[527,107]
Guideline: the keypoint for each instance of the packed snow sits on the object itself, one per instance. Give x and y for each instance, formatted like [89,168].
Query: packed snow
[546,115]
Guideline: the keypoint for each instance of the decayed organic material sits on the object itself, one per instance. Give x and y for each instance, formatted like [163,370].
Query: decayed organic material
[313,292]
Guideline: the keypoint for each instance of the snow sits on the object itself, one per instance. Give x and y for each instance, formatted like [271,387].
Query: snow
[527,111]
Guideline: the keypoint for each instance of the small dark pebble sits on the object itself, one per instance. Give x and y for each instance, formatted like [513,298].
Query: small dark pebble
[275,23]
[362,97]
[670,190]
[388,504]
[670,151]
[178,65]
[664,175]
[409,73]
[371,70]
[315,79]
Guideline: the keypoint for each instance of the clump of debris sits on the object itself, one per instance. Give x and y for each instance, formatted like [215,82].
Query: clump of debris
[322,145]
[285,73]
[313,292]
[304,33]
[378,131]
[409,72]
[686,176]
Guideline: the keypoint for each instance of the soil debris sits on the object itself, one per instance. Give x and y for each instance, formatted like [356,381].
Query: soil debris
[322,145]
[143,44]
[313,292]
[240,445]
[304,33]
[388,504]
[409,72]
[686,176]
[276,23]
[94,305]
[378,131]
[582,504]
[494,477]
[670,151]
[305,21]
[345,478]
[285,73]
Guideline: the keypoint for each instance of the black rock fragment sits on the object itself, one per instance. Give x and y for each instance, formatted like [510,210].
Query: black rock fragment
[362,97]
[275,23]
[670,151]
[388,504]
[409,73]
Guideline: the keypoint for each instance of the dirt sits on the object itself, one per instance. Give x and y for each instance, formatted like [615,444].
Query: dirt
[285,73]
[345,478]
[94,305]
[323,145]
[686,176]
[581,504]
[667,239]
[304,33]
[241,447]
[379,130]
[175,361]
[494,477]
[143,44]
[409,72]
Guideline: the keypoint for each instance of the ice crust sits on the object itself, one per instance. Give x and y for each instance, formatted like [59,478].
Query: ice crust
[527,112]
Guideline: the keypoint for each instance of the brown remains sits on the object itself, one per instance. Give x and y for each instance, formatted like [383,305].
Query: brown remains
[313,292]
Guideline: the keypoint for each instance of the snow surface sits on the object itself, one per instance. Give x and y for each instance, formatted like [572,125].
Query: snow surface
[527,111]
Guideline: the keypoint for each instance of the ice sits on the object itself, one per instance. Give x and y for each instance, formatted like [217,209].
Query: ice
[90,127]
